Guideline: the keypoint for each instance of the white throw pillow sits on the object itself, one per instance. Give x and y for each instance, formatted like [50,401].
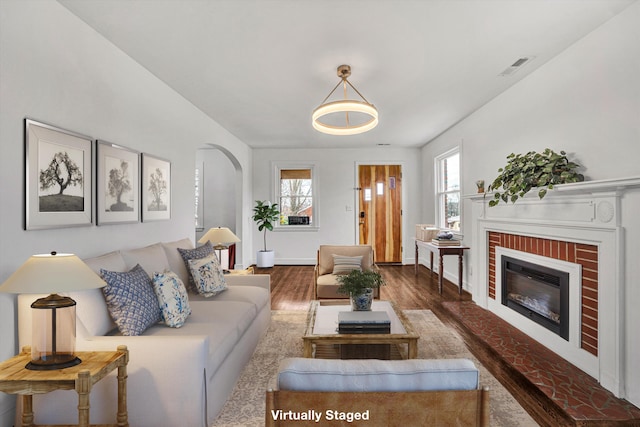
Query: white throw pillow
[207,275]
[172,298]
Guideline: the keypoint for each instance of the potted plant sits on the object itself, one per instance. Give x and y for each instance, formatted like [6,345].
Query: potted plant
[265,215]
[533,170]
[359,285]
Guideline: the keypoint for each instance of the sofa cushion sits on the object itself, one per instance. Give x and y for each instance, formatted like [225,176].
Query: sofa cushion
[254,295]
[207,275]
[151,258]
[224,323]
[176,263]
[197,253]
[346,264]
[303,374]
[91,308]
[172,298]
[132,303]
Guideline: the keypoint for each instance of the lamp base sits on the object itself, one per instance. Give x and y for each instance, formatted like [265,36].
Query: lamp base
[59,361]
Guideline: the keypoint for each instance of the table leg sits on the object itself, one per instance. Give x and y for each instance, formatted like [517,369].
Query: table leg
[412,352]
[83,388]
[431,262]
[460,273]
[123,416]
[308,349]
[27,410]
[440,272]
[416,264]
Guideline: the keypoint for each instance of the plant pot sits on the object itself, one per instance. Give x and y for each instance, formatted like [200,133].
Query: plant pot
[362,302]
[265,259]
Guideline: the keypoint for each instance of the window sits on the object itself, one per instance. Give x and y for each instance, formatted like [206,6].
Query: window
[295,193]
[448,190]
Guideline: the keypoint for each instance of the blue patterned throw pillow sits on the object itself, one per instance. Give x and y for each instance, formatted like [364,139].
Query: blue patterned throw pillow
[131,301]
[172,297]
[207,275]
[197,253]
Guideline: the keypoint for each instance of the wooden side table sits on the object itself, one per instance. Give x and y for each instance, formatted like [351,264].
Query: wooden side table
[16,379]
[442,251]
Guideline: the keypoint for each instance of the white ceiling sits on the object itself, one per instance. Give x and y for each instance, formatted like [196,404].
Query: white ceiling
[260,67]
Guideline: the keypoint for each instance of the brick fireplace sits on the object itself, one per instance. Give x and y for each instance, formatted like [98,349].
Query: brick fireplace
[583,254]
[576,228]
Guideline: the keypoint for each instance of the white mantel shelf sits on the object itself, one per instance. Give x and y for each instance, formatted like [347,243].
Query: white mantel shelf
[584,187]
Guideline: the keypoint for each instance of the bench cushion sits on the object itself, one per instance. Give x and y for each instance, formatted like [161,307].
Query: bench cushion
[302,374]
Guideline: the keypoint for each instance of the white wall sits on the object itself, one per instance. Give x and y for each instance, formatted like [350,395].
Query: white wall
[336,174]
[586,101]
[56,69]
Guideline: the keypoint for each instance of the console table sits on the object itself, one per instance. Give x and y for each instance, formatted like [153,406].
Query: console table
[16,379]
[442,251]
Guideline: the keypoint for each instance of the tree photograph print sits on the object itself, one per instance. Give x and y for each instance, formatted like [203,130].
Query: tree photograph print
[118,195]
[156,188]
[58,177]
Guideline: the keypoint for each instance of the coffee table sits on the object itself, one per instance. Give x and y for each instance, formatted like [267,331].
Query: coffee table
[322,327]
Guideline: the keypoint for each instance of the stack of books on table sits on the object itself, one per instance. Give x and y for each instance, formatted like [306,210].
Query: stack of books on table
[364,322]
[446,242]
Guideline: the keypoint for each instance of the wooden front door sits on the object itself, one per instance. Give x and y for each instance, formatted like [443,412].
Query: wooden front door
[380,210]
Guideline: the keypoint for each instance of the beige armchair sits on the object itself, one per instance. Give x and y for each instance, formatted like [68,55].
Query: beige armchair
[325,281]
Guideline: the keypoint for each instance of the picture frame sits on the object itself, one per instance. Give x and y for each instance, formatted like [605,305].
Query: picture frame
[118,184]
[58,177]
[156,188]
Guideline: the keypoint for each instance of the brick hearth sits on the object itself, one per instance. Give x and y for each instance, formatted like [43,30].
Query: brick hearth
[556,392]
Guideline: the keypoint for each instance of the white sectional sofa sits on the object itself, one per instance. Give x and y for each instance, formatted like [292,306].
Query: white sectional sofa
[177,376]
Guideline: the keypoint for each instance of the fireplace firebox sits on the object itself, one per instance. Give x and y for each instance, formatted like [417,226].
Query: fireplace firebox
[537,292]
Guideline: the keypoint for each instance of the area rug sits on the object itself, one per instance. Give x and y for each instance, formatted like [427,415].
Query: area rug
[246,406]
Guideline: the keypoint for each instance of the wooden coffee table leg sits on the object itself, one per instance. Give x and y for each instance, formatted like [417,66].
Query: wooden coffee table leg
[413,349]
[308,349]
[123,416]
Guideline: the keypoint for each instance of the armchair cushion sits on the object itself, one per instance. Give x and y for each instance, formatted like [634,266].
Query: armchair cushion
[345,264]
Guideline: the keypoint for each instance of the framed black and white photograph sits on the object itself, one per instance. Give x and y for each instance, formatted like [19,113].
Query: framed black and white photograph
[156,188]
[118,182]
[57,177]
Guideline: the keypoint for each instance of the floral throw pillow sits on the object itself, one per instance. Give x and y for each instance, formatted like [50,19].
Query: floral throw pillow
[207,275]
[130,299]
[191,254]
[172,298]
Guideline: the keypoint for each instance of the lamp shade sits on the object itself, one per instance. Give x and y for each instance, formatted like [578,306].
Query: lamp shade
[219,236]
[52,273]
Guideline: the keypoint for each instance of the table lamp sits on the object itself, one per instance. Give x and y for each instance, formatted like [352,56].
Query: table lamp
[54,317]
[219,238]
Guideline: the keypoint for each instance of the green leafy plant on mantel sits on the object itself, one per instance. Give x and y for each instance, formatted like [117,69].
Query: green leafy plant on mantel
[532,170]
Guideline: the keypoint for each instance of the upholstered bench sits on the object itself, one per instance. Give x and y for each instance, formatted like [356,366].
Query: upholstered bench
[378,392]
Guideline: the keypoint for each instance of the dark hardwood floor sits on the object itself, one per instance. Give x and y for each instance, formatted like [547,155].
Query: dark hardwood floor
[292,289]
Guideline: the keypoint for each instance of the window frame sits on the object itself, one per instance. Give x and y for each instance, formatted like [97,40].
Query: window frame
[440,192]
[276,194]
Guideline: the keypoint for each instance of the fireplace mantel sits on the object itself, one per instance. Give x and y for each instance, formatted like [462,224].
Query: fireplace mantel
[583,213]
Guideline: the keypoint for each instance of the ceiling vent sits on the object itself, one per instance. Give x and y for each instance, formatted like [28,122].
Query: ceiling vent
[521,62]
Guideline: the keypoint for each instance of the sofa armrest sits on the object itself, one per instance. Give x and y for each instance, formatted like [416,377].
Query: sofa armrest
[259,280]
